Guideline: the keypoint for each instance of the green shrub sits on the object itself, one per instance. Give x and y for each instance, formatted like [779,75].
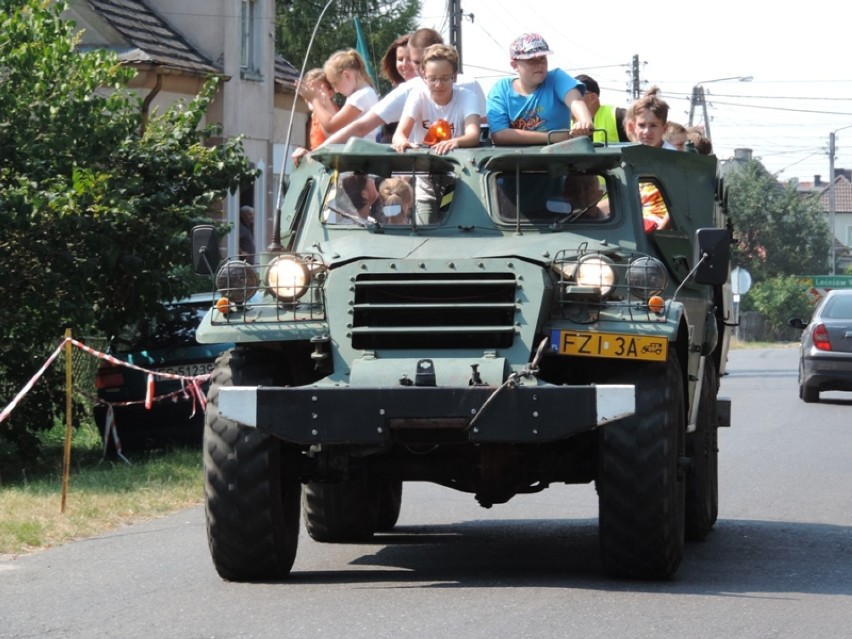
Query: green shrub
[778,299]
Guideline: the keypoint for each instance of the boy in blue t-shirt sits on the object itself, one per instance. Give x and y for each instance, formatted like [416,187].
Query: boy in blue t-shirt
[522,110]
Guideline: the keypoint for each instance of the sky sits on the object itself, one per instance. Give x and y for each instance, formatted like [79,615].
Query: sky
[798,57]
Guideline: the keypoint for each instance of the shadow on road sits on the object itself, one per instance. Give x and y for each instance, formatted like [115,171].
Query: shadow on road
[739,558]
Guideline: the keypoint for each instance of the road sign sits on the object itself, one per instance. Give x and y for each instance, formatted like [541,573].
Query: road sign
[740,281]
[832,281]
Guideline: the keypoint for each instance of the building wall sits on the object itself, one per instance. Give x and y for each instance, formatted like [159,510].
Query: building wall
[246,104]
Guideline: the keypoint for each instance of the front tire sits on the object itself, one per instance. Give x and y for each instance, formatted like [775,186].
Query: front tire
[251,492]
[640,486]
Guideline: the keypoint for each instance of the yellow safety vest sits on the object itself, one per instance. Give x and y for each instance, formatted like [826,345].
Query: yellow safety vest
[605,119]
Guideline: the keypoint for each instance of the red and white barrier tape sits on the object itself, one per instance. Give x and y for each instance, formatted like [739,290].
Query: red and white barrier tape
[194,383]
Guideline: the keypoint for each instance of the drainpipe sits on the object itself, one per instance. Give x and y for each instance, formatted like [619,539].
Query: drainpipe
[146,103]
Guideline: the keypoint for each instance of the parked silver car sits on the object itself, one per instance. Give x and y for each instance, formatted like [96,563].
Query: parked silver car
[825,359]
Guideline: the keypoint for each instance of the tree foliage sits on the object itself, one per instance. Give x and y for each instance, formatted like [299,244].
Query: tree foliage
[94,214]
[382,21]
[778,231]
[778,299]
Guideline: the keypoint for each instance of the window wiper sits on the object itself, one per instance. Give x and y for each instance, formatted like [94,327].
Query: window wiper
[575,215]
[369,223]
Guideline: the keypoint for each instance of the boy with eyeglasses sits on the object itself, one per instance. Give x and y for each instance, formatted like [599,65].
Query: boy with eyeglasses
[523,109]
[443,115]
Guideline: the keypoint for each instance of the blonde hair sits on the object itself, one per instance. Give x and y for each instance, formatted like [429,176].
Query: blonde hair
[674,128]
[701,142]
[441,52]
[344,60]
[317,75]
[651,102]
[397,190]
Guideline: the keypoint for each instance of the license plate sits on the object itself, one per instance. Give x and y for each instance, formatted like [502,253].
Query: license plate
[637,347]
[187,370]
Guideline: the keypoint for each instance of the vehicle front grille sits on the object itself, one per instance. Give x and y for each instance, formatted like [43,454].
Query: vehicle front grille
[447,310]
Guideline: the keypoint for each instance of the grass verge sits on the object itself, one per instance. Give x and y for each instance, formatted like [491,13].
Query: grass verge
[102,494]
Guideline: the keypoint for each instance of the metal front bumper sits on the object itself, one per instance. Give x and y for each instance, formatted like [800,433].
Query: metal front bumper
[364,415]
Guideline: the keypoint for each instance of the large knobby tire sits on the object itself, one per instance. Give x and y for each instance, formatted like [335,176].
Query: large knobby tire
[341,512]
[702,475]
[640,486]
[389,495]
[252,502]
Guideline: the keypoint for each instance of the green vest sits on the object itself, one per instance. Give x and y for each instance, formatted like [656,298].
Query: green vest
[605,119]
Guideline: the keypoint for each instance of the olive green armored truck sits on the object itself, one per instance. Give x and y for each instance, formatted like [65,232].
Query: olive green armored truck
[494,320]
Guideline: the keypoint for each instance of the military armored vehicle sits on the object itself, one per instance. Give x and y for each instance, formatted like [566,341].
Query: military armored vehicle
[512,322]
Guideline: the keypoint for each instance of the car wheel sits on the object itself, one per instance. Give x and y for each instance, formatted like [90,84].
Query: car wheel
[250,488]
[389,495]
[641,488]
[340,512]
[809,394]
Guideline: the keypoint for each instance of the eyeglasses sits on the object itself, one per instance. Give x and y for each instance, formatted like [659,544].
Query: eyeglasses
[441,80]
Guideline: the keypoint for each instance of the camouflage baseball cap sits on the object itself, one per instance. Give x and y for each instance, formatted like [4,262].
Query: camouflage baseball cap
[527,46]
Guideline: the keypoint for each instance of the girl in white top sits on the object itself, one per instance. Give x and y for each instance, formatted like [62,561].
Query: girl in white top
[347,73]
[442,99]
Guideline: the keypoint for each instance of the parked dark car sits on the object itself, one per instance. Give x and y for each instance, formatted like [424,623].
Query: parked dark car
[825,359]
[164,344]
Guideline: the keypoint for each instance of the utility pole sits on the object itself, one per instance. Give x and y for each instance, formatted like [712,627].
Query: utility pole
[454,11]
[636,84]
[698,97]
[832,202]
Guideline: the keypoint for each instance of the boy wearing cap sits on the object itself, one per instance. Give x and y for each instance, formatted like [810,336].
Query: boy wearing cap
[522,110]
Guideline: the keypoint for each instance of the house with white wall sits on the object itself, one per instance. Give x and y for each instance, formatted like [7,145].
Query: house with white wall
[174,45]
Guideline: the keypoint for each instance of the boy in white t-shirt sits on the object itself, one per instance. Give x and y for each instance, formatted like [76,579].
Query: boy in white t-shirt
[442,100]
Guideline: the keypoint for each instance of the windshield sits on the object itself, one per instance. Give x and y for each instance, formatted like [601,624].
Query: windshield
[538,197]
[404,199]
[176,327]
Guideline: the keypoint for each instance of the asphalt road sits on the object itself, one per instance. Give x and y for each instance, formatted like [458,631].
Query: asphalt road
[778,564]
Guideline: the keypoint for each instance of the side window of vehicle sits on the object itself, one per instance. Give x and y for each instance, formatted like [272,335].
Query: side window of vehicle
[655,209]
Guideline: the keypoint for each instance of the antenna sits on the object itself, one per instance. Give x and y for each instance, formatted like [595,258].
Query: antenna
[276,224]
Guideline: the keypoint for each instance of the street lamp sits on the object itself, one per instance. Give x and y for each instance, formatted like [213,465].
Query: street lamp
[699,98]
[832,203]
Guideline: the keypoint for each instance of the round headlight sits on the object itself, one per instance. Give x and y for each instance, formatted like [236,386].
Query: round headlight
[646,276]
[237,281]
[595,271]
[288,278]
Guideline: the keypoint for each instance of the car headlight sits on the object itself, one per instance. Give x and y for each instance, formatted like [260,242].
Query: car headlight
[595,271]
[646,277]
[288,278]
[237,281]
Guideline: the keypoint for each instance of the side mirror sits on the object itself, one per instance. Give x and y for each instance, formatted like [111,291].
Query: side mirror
[205,249]
[796,322]
[714,245]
